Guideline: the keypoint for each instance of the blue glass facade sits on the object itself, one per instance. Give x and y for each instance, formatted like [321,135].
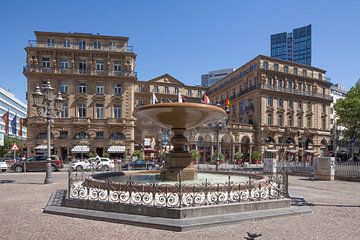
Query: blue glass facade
[294,46]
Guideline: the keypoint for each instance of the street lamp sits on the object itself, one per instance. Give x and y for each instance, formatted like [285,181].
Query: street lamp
[48,107]
[218,125]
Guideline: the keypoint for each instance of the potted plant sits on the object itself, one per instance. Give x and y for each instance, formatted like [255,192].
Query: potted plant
[195,156]
[256,156]
[238,156]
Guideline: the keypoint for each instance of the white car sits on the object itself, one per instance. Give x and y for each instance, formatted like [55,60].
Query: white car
[3,166]
[102,164]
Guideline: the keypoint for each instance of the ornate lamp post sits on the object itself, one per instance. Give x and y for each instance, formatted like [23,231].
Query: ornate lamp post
[217,126]
[48,107]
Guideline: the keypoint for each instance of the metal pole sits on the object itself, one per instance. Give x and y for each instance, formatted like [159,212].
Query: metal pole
[217,150]
[48,178]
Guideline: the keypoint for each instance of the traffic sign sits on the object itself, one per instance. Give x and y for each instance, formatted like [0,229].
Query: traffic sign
[15,147]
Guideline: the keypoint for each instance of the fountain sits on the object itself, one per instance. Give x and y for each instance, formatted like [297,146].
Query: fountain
[180,117]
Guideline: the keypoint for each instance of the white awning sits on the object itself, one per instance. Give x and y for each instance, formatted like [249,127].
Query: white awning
[116,149]
[80,149]
[310,151]
[42,147]
[271,150]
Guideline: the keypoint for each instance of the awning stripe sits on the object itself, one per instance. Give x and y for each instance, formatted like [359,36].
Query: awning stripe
[116,149]
[80,149]
[42,147]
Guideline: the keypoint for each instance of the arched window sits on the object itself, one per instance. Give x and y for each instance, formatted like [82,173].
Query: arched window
[117,136]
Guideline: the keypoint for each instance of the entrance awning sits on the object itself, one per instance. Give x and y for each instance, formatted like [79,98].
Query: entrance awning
[149,150]
[116,149]
[80,149]
[42,147]
[271,150]
[310,151]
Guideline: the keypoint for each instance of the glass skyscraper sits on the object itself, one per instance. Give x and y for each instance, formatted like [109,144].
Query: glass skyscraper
[294,46]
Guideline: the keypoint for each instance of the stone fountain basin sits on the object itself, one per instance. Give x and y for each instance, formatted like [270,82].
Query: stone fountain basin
[180,115]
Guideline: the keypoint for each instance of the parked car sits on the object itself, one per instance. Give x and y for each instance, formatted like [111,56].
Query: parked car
[102,164]
[3,165]
[141,165]
[37,163]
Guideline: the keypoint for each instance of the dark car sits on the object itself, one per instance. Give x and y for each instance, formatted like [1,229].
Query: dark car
[37,163]
[140,165]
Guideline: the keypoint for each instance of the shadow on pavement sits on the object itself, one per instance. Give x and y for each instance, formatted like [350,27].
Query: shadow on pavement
[332,205]
[6,181]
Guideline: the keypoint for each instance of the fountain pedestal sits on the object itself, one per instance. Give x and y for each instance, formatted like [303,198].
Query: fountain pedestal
[179,117]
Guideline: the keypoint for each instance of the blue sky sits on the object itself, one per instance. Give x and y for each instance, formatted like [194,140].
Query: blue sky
[187,38]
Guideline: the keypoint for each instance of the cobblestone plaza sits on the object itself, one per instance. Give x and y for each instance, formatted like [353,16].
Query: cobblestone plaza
[335,205]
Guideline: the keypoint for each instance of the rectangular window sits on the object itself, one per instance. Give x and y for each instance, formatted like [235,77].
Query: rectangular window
[280,103]
[82,45]
[266,65]
[189,92]
[140,102]
[304,73]
[63,135]
[156,89]
[280,83]
[299,123]
[100,89]
[280,120]
[309,106]
[286,69]
[50,42]
[269,101]
[309,122]
[291,104]
[100,111]
[176,90]
[276,67]
[82,110]
[117,111]
[99,135]
[200,93]
[117,66]
[46,62]
[295,71]
[290,121]
[65,110]
[99,65]
[112,45]
[323,123]
[141,88]
[97,45]
[166,90]
[64,88]
[117,89]
[82,88]
[320,76]
[269,119]
[64,64]
[300,105]
[324,108]
[66,43]
[82,65]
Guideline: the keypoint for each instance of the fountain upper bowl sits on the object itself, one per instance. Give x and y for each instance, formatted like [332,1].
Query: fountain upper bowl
[180,115]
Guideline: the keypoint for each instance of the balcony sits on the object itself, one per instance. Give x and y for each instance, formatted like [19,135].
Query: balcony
[117,121]
[77,71]
[282,69]
[76,46]
[80,121]
[296,91]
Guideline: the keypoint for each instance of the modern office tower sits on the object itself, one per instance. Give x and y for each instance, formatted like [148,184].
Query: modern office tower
[96,76]
[213,76]
[16,108]
[294,46]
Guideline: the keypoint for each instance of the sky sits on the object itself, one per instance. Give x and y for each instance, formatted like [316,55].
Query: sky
[187,38]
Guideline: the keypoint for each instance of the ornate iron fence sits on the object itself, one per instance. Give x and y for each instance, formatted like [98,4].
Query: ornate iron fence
[347,169]
[178,195]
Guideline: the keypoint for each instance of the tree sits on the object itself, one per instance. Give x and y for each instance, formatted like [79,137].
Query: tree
[8,142]
[238,155]
[138,154]
[348,112]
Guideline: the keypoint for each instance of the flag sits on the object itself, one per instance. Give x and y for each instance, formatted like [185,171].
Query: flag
[154,99]
[21,122]
[227,103]
[180,99]
[5,117]
[205,99]
[13,125]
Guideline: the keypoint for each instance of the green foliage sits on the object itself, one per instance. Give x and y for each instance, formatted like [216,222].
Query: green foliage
[256,155]
[221,156]
[138,154]
[8,142]
[238,155]
[195,155]
[348,112]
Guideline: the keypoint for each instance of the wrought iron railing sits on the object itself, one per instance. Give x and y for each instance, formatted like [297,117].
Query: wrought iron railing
[178,195]
[347,169]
